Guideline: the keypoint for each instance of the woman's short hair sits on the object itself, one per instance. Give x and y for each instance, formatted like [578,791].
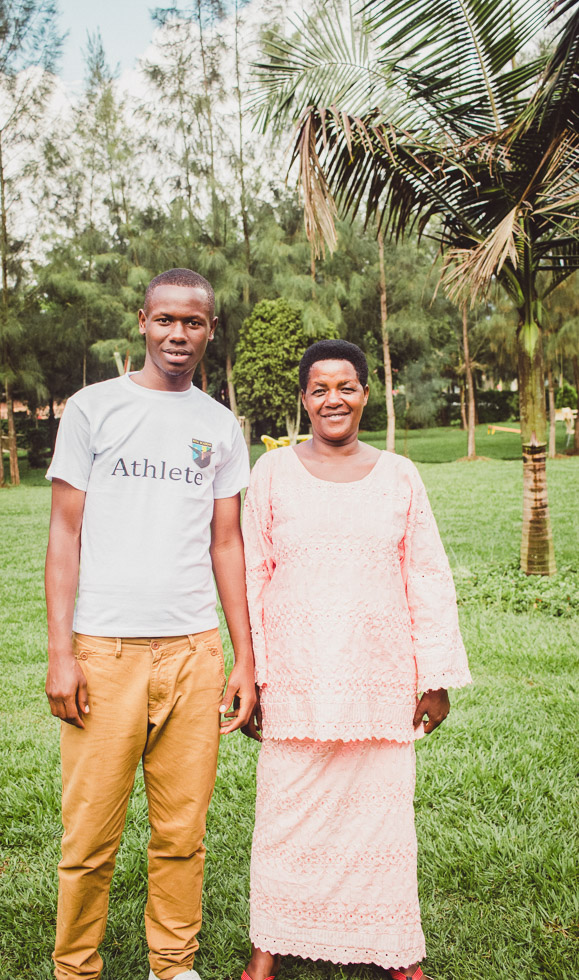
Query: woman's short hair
[333,350]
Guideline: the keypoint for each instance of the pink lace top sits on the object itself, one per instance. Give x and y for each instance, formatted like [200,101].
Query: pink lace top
[351,599]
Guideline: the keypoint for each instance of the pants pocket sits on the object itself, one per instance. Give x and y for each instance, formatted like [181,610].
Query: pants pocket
[214,647]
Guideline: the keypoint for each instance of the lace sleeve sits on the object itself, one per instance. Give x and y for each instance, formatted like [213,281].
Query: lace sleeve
[259,563]
[438,648]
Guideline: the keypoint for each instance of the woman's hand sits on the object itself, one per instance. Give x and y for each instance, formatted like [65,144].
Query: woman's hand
[253,727]
[436,705]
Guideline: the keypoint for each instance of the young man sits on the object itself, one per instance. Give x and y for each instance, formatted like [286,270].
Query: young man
[147,475]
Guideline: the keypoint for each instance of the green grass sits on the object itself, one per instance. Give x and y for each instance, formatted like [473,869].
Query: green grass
[444,445]
[496,811]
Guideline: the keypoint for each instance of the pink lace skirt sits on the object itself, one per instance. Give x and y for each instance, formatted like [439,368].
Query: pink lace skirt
[333,865]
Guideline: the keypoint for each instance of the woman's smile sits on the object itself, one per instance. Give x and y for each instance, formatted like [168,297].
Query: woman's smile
[334,399]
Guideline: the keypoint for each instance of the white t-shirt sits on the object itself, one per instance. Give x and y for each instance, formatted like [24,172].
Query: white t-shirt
[151,463]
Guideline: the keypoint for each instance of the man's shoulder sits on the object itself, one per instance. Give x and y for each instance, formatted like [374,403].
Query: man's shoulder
[218,410]
[100,391]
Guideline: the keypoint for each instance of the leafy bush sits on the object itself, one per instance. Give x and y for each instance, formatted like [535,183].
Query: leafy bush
[271,343]
[566,396]
[508,588]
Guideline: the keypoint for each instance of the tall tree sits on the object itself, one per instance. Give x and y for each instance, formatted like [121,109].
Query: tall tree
[421,111]
[563,320]
[29,49]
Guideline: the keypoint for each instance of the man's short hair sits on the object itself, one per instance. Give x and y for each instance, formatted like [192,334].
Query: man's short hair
[333,350]
[180,277]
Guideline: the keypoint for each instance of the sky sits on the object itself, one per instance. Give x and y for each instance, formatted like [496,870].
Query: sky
[125,25]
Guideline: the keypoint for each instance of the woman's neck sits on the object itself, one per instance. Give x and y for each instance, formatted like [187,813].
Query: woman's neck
[326,449]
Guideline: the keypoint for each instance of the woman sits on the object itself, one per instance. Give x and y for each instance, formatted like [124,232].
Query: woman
[353,612]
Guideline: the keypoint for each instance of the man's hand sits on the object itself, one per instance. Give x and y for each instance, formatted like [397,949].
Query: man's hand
[66,690]
[436,705]
[241,692]
[65,683]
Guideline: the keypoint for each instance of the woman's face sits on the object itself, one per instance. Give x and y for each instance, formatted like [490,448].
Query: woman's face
[334,400]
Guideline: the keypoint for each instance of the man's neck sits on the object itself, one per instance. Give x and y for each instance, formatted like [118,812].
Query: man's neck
[149,378]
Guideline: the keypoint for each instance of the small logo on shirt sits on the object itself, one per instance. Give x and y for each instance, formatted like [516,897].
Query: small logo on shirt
[202,452]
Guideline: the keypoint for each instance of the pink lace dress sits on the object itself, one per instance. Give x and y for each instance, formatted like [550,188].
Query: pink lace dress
[353,611]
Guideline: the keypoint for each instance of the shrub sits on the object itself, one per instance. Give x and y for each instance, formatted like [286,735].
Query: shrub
[566,396]
[507,587]
[271,343]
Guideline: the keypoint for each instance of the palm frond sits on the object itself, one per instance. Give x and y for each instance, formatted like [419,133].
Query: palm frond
[556,103]
[468,272]
[464,51]
[327,57]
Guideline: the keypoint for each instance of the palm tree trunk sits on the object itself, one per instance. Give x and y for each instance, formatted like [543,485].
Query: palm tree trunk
[552,415]
[390,413]
[471,447]
[537,552]
[12,444]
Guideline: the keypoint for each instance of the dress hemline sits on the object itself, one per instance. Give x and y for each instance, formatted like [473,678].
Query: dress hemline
[338,955]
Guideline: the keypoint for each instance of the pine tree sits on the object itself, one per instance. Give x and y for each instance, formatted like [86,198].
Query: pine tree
[29,49]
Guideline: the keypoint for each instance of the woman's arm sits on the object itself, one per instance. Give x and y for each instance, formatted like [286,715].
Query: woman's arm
[438,648]
[259,561]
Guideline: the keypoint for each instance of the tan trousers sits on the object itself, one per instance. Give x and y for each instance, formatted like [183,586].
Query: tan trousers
[156,700]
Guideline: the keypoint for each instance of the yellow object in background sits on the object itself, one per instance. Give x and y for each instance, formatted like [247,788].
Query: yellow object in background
[271,443]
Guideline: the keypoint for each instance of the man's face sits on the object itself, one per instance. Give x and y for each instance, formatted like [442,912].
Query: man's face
[177,327]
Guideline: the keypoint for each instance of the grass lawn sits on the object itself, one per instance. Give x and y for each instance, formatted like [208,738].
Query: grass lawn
[496,804]
[444,445]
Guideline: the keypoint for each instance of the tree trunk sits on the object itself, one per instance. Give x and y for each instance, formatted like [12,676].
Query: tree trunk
[537,552]
[4,261]
[247,434]
[207,81]
[471,409]
[552,416]
[2,477]
[230,385]
[293,424]
[244,217]
[463,422]
[52,428]
[12,445]
[576,376]
[388,386]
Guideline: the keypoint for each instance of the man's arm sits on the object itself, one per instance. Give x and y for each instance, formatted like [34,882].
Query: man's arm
[65,683]
[229,571]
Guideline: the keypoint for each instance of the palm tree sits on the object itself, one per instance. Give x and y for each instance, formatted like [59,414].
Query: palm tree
[425,115]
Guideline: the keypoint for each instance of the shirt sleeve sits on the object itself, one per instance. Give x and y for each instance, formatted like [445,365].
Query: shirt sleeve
[73,457]
[259,561]
[232,474]
[439,652]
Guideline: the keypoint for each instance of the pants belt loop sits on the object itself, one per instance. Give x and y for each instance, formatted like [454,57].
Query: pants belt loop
[118,649]
[191,638]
